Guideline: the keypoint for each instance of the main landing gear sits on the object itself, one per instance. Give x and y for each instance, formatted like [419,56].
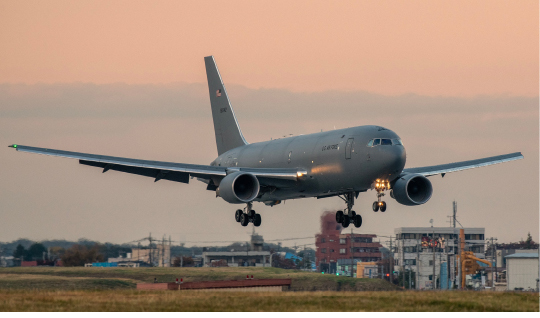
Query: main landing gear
[349,216]
[380,187]
[249,216]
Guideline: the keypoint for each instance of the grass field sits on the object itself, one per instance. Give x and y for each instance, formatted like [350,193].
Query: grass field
[113,289]
[132,300]
[81,278]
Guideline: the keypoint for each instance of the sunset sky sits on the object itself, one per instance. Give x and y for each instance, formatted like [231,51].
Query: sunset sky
[457,80]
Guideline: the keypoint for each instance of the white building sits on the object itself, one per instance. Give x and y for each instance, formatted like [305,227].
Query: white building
[413,252]
[522,271]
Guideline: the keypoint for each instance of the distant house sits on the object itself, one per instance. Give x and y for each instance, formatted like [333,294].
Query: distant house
[522,271]
[7,261]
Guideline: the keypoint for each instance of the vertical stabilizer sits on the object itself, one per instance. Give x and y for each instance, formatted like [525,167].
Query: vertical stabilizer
[228,133]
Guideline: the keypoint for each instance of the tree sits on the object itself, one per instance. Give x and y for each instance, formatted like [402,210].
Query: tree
[529,242]
[187,261]
[78,255]
[36,250]
[20,252]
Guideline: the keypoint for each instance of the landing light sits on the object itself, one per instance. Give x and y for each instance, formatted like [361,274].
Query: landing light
[299,174]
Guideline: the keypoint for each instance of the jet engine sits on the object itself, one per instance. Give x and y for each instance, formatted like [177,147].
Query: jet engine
[238,187]
[412,189]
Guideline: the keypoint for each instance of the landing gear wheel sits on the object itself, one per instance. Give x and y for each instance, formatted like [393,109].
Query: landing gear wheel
[339,216]
[357,221]
[383,206]
[244,219]
[238,215]
[346,221]
[375,206]
[257,220]
[251,213]
[352,215]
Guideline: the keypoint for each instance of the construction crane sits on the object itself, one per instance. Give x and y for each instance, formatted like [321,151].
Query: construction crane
[468,261]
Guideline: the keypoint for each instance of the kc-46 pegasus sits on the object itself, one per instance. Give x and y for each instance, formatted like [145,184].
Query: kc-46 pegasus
[342,163]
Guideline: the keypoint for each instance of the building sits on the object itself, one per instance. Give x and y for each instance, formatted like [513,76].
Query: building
[367,270]
[414,252]
[7,261]
[502,253]
[338,253]
[522,271]
[255,256]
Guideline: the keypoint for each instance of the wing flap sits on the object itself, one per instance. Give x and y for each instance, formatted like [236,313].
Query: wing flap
[146,172]
[463,165]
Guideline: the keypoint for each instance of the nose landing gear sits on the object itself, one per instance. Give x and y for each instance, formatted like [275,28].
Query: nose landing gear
[380,186]
[249,216]
[350,216]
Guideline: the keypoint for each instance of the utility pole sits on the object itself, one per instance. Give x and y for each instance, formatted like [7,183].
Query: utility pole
[433,281]
[418,247]
[163,251]
[391,265]
[454,214]
[151,250]
[492,256]
[352,251]
[410,282]
[403,260]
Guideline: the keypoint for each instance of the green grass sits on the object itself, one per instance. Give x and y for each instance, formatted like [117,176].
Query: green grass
[132,300]
[81,278]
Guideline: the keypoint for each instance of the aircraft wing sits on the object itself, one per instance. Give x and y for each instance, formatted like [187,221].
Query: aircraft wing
[179,172]
[463,165]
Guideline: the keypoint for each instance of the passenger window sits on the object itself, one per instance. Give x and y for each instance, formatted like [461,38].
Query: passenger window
[376,142]
[370,143]
[397,142]
[386,142]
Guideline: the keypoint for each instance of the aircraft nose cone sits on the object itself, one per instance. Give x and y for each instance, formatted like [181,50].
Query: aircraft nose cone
[396,158]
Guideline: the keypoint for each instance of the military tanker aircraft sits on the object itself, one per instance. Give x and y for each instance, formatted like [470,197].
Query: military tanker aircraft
[342,163]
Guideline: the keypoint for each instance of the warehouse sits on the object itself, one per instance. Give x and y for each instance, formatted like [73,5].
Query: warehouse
[522,271]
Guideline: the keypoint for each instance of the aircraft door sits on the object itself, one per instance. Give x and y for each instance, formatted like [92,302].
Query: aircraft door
[348,148]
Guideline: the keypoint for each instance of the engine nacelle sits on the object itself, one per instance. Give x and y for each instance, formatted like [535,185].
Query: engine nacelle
[238,187]
[412,189]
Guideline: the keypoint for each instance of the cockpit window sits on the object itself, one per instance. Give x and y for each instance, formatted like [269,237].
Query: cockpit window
[384,142]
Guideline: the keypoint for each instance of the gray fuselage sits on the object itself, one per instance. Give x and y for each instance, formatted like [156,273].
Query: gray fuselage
[336,161]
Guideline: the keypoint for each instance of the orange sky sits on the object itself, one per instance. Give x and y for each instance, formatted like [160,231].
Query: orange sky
[451,48]
[457,49]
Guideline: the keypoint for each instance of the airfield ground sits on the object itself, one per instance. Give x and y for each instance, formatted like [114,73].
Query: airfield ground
[113,289]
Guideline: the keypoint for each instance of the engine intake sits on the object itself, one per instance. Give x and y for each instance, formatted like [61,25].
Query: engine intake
[238,187]
[412,189]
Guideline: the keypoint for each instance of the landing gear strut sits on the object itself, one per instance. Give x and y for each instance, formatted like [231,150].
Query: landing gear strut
[380,187]
[349,216]
[247,215]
